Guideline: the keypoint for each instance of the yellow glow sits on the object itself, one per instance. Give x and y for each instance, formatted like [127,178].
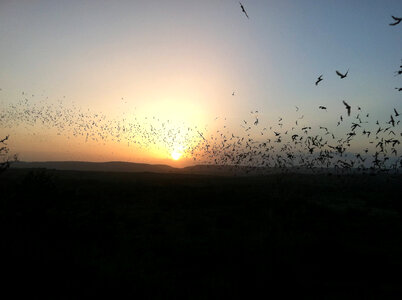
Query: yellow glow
[159,131]
[176,155]
[178,152]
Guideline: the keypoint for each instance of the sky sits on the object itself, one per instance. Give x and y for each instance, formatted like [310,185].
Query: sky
[182,60]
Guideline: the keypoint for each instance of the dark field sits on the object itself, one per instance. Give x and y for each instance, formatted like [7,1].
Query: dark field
[68,234]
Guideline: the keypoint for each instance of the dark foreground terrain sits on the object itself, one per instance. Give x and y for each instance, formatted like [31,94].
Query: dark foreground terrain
[69,234]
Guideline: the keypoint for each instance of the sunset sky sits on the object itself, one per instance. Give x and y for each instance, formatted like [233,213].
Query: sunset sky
[181,61]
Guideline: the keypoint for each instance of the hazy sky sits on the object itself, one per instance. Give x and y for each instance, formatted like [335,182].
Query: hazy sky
[183,59]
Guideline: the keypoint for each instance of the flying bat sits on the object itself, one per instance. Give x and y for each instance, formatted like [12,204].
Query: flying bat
[319,80]
[342,75]
[244,10]
[397,21]
[348,107]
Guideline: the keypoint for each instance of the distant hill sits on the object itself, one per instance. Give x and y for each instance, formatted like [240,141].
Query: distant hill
[114,166]
[227,170]
[117,166]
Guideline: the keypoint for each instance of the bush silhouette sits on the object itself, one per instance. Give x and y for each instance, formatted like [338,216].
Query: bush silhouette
[5,159]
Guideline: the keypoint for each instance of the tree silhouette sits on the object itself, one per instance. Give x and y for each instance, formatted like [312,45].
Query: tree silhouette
[5,159]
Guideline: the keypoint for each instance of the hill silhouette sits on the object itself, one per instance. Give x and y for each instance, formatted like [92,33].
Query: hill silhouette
[113,166]
[214,170]
[119,166]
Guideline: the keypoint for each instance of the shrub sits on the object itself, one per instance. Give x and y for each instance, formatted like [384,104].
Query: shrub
[4,157]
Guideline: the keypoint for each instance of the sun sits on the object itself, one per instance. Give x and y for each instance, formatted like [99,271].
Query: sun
[177,152]
[176,155]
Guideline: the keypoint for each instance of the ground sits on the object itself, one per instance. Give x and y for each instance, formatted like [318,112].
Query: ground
[69,234]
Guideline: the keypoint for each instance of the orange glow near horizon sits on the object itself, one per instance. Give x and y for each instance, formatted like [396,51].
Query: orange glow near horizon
[153,132]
